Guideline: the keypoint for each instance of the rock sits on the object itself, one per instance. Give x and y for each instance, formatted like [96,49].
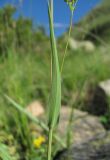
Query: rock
[84,126]
[95,100]
[35,108]
[105,85]
[96,149]
[86,45]
[73,44]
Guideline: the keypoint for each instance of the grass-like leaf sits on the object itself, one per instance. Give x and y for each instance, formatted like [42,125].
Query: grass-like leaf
[4,153]
[55,95]
[32,118]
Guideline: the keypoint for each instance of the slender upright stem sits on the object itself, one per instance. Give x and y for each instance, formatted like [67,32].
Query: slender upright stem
[50,136]
[51,7]
[68,140]
[50,144]
[67,44]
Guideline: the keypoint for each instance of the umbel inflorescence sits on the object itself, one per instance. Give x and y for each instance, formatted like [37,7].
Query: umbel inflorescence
[71,3]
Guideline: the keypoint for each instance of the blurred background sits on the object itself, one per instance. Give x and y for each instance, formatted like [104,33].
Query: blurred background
[25,60]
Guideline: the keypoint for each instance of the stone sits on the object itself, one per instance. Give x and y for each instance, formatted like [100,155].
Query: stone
[95,149]
[86,45]
[35,108]
[95,100]
[105,85]
[73,44]
[84,126]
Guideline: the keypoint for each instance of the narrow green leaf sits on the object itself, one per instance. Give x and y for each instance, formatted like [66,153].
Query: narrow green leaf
[22,110]
[32,118]
[4,153]
[55,95]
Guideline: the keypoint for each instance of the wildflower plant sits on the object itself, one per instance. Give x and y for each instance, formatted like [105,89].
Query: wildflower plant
[71,3]
[55,94]
[72,6]
[39,141]
[54,103]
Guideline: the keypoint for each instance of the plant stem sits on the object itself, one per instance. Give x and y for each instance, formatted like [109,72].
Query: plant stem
[73,103]
[33,119]
[66,48]
[50,143]
[69,127]
[51,7]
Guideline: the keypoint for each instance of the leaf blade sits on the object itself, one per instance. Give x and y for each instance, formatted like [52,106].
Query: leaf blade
[55,95]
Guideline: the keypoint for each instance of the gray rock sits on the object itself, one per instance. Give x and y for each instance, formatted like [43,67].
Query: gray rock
[96,149]
[95,100]
[84,126]
[86,45]
[105,85]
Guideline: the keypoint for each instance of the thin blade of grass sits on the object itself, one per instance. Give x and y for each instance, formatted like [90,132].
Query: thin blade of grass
[4,153]
[55,95]
[32,118]
[22,110]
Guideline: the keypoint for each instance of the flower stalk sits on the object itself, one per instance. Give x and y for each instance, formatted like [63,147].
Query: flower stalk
[50,144]
[55,93]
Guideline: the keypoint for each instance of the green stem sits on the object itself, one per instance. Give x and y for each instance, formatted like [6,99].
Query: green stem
[66,48]
[69,127]
[73,103]
[51,7]
[32,118]
[50,143]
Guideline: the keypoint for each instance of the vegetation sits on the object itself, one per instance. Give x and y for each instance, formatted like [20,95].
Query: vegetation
[95,25]
[24,66]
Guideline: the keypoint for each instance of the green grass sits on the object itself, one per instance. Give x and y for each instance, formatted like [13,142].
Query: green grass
[19,80]
[23,79]
[81,66]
